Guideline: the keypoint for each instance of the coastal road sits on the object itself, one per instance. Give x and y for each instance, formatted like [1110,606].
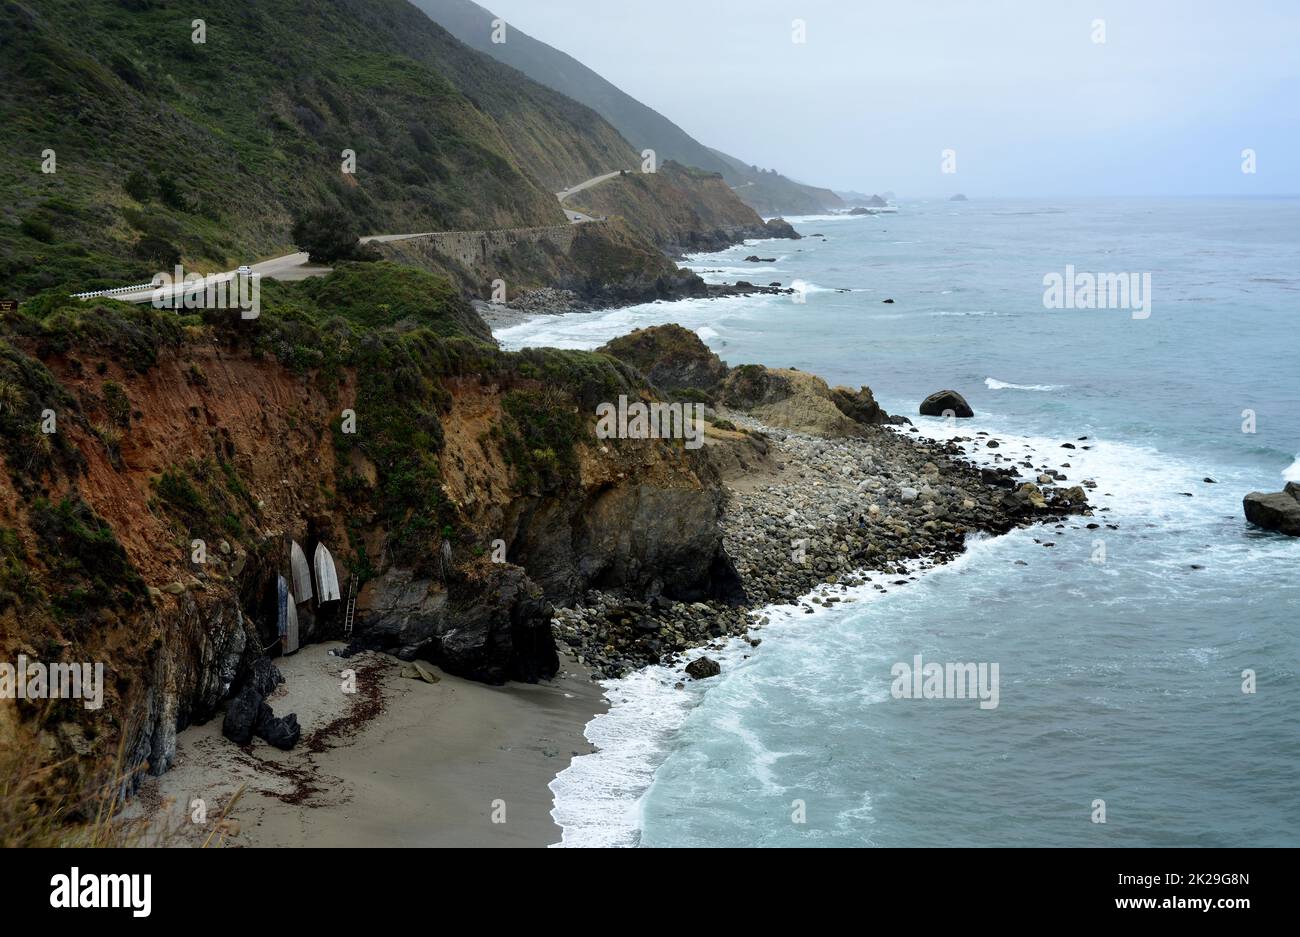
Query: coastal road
[594,180]
[296,266]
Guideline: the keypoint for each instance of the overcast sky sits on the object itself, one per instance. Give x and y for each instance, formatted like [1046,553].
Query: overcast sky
[1019,89]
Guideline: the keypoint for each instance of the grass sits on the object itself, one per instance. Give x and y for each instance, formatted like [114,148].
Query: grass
[49,806]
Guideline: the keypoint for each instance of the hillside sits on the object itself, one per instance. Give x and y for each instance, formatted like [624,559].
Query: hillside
[169,150]
[679,209]
[767,192]
[771,193]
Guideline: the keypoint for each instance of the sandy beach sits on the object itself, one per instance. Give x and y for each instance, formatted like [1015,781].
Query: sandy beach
[401,762]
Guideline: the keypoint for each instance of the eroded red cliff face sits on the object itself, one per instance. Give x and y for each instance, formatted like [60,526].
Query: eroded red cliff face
[201,467]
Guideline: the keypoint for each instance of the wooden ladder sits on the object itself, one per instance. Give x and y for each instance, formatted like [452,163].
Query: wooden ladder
[351,612]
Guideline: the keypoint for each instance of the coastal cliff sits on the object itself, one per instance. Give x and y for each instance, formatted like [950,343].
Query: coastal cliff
[679,209]
[363,412]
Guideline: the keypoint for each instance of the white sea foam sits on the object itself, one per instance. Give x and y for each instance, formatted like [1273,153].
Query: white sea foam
[993,383]
[598,798]
[803,286]
[822,219]
[589,330]
[1292,472]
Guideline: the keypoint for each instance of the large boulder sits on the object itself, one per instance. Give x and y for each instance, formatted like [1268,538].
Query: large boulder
[753,385]
[248,715]
[943,401]
[281,731]
[499,628]
[402,609]
[1278,510]
[703,667]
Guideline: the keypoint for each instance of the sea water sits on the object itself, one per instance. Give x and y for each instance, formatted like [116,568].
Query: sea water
[1123,654]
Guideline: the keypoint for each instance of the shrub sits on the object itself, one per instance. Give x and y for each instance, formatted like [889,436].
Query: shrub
[329,235]
[37,229]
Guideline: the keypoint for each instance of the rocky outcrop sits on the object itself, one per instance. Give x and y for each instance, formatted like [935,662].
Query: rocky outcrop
[248,715]
[1279,510]
[642,539]
[489,623]
[241,716]
[671,357]
[946,403]
[859,405]
[793,400]
[780,228]
[680,210]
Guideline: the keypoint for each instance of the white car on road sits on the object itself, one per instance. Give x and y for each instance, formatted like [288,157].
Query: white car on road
[245,271]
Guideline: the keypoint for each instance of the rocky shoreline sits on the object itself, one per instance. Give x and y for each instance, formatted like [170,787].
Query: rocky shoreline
[551,301]
[820,511]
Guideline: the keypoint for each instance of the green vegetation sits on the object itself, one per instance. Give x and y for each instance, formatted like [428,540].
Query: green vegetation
[540,431]
[610,253]
[402,333]
[116,404]
[206,497]
[766,190]
[132,335]
[168,148]
[89,570]
[16,584]
[27,390]
[674,207]
[384,293]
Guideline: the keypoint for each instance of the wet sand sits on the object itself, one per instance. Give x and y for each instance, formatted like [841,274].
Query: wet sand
[399,763]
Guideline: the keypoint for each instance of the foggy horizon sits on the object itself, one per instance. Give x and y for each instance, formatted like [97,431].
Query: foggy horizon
[1165,105]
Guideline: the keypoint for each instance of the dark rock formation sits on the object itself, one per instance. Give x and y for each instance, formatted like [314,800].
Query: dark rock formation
[493,624]
[940,402]
[249,715]
[265,676]
[242,716]
[859,405]
[780,228]
[282,732]
[703,667]
[1278,510]
[501,628]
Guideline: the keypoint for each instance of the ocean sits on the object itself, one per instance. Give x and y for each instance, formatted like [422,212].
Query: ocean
[1122,653]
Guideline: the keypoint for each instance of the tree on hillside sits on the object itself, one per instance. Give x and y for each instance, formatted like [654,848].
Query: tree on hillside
[329,235]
